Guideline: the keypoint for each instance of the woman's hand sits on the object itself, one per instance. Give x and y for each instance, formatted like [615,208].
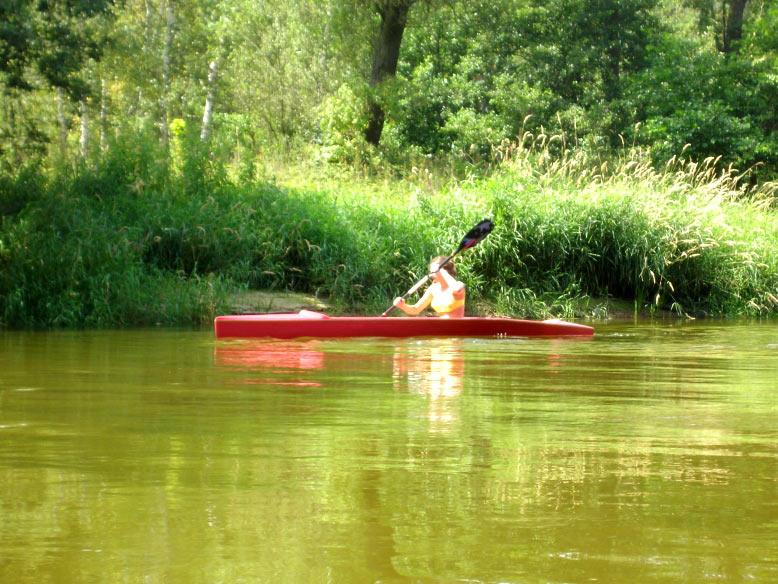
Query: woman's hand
[399,302]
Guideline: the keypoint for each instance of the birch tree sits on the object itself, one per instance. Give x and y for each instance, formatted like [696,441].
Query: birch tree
[83,141]
[167,49]
[205,131]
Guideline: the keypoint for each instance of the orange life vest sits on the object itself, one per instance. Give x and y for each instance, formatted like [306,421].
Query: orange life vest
[444,302]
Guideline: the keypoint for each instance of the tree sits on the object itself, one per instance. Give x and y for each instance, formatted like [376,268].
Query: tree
[733,29]
[725,18]
[386,53]
[205,128]
[164,105]
[54,38]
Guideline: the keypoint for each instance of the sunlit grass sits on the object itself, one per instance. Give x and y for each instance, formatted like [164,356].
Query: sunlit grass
[690,237]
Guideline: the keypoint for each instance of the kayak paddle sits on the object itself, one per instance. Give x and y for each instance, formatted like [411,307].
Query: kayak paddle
[471,239]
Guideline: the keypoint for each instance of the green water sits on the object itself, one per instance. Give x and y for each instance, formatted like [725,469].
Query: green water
[646,454]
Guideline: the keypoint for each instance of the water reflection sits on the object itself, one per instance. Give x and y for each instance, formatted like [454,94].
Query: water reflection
[645,455]
[271,354]
[431,368]
[287,358]
[435,370]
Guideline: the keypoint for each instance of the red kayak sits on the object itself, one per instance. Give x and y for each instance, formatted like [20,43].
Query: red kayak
[306,323]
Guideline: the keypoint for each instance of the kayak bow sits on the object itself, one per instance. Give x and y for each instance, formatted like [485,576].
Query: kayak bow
[306,323]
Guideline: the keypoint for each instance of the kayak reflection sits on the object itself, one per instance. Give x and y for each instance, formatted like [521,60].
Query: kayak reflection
[434,369]
[271,354]
[286,359]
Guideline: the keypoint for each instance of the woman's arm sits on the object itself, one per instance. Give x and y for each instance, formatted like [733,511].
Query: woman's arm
[414,309]
[457,287]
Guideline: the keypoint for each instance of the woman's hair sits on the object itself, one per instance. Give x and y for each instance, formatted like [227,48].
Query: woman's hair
[449,267]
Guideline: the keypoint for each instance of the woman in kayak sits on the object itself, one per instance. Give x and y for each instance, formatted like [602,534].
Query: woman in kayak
[446,294]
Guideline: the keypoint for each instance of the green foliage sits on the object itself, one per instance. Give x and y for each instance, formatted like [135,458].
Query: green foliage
[474,133]
[73,254]
[292,76]
[19,189]
[473,73]
[717,105]
[761,38]
[107,195]
[683,240]
[128,242]
[55,37]
[702,131]
[343,120]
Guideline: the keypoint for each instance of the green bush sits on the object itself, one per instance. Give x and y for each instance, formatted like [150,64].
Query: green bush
[705,104]
[21,188]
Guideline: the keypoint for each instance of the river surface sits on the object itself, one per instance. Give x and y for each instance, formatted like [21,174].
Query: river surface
[648,453]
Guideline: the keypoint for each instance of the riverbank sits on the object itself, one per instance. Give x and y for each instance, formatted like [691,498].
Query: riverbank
[125,243]
[252,301]
[255,301]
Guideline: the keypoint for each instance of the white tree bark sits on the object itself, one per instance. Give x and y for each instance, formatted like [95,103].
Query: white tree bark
[213,71]
[166,50]
[103,118]
[62,123]
[83,141]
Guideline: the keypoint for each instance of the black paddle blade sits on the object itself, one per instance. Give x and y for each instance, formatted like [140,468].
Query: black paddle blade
[476,234]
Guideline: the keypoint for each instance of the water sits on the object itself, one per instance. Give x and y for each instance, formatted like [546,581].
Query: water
[646,454]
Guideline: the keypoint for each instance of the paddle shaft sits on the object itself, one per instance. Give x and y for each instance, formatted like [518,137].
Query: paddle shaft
[421,282]
[475,235]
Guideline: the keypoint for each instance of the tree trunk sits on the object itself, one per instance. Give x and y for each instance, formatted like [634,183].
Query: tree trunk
[321,79]
[611,70]
[11,143]
[83,141]
[147,24]
[733,27]
[62,124]
[205,131]
[103,118]
[386,53]
[166,50]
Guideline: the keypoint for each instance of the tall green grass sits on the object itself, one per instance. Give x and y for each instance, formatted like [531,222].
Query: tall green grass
[689,237]
[130,242]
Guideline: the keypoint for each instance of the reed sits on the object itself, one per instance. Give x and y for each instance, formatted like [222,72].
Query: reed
[690,237]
